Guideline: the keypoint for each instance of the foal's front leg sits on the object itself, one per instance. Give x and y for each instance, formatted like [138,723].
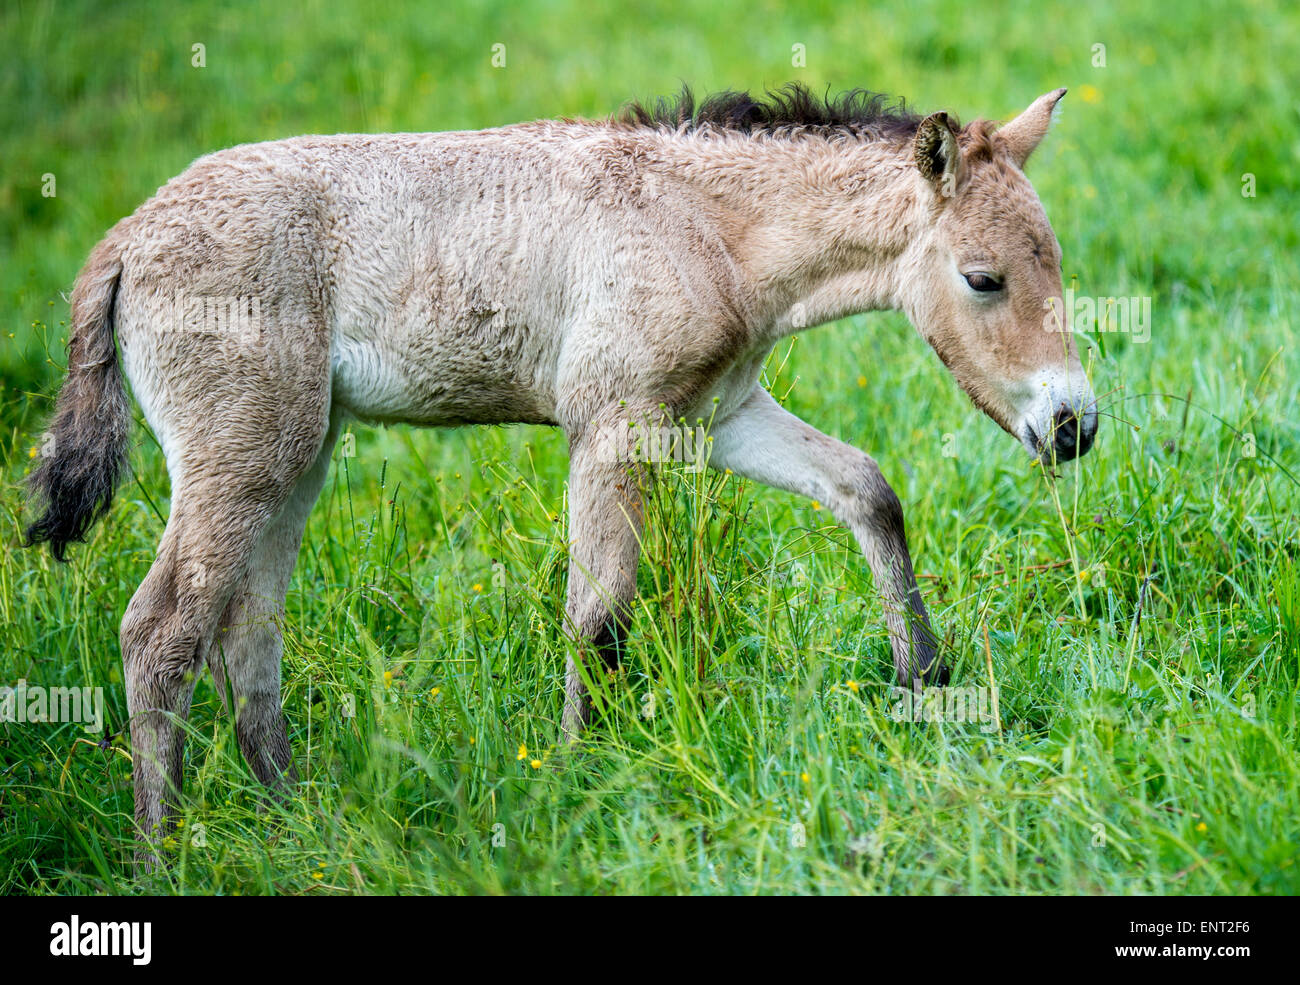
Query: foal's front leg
[605,523]
[762,441]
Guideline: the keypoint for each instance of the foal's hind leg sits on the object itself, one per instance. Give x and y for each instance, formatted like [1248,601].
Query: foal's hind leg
[236,451]
[245,658]
[171,619]
[604,544]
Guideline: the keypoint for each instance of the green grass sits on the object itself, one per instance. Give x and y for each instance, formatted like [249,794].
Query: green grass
[1142,612]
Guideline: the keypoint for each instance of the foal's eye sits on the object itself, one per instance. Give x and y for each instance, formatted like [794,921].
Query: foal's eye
[983,282]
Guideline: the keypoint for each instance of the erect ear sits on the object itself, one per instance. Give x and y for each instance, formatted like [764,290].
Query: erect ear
[937,155]
[1023,134]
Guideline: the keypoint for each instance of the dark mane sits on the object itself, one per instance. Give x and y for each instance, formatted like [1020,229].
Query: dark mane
[793,107]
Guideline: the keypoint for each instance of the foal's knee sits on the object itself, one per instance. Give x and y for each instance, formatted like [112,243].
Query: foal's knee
[864,498]
[160,654]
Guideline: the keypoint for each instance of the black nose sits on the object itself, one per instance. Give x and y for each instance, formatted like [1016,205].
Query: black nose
[1070,439]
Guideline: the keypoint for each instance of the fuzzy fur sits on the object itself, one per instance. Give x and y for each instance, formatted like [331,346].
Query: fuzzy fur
[572,273]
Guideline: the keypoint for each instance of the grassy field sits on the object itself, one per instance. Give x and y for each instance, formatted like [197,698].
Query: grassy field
[1140,615]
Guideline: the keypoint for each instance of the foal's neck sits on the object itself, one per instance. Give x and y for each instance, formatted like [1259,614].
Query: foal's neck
[815,227]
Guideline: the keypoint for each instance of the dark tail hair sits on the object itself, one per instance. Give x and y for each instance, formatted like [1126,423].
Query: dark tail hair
[83,452]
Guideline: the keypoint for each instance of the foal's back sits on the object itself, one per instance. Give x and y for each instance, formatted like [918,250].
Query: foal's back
[475,277]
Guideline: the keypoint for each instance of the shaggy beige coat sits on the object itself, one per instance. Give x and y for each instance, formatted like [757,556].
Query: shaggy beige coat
[581,274]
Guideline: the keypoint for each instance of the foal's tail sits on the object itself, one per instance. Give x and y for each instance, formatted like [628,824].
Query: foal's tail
[83,452]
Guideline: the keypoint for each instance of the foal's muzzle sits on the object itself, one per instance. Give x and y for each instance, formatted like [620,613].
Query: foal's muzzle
[1068,437]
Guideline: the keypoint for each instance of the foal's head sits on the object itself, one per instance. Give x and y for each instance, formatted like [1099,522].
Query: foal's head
[985,288]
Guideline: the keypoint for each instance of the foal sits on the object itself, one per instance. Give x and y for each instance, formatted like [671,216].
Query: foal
[579,274]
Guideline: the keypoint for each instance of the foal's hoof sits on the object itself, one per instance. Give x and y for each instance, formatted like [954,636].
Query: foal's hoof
[936,675]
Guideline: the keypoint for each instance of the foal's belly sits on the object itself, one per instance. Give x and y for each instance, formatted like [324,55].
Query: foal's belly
[440,380]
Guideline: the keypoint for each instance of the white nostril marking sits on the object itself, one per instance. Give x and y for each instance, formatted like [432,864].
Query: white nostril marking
[1057,412]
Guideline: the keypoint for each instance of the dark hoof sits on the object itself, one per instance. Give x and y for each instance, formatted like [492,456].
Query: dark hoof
[936,675]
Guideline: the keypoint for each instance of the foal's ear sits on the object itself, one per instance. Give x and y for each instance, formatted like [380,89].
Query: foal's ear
[1024,133]
[936,153]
